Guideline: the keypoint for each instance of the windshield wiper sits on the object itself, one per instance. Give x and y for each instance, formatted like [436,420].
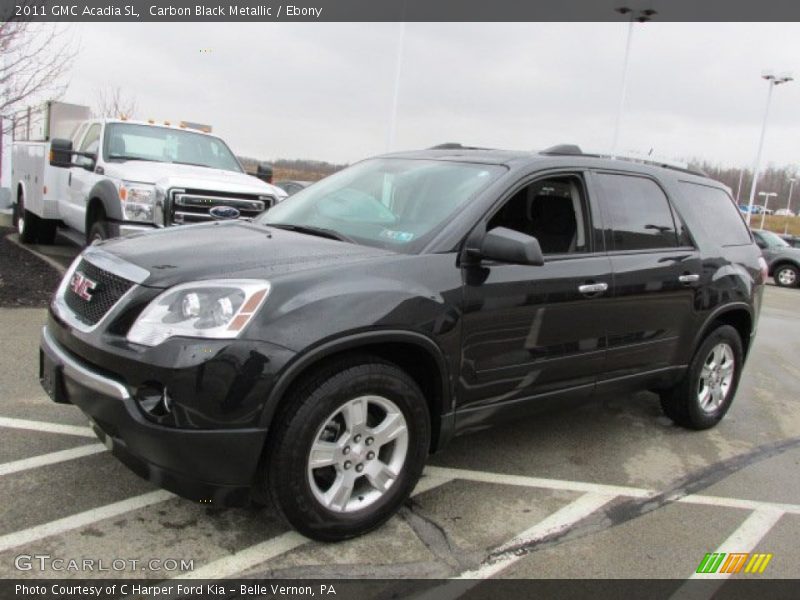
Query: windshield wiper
[311,230]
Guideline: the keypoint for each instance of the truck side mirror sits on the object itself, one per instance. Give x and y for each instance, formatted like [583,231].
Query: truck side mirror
[61,153]
[264,172]
[509,246]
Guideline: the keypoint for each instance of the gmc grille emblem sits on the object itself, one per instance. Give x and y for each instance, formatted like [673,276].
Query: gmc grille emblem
[82,285]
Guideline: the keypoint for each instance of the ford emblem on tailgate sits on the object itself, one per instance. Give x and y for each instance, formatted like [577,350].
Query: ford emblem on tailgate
[224,212]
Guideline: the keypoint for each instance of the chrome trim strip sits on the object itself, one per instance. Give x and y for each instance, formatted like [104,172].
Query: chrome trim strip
[80,374]
[184,199]
[114,264]
[131,229]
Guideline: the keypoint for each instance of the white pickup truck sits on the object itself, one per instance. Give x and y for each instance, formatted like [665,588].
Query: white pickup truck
[104,178]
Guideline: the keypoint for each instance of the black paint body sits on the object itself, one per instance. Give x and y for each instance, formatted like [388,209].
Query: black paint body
[492,340]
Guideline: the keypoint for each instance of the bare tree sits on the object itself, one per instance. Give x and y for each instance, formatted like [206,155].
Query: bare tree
[112,102]
[34,61]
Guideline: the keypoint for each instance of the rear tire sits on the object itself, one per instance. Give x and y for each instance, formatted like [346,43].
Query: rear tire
[368,425]
[786,276]
[26,222]
[704,395]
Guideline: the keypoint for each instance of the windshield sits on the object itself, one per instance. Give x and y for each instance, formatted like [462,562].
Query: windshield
[128,141]
[392,203]
[772,240]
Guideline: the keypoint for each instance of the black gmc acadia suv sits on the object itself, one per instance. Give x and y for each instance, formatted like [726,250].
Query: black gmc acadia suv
[317,354]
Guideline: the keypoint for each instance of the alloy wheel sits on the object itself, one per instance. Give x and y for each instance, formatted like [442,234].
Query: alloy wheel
[358,454]
[716,378]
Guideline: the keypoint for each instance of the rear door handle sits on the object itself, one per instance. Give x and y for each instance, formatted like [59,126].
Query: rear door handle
[592,288]
[689,278]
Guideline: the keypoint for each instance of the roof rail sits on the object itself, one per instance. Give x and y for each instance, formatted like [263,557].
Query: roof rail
[574,150]
[559,149]
[455,146]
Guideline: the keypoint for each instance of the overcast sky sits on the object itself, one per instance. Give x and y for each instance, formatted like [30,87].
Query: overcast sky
[324,90]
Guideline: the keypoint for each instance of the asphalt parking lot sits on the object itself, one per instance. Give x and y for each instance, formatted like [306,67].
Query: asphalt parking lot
[609,490]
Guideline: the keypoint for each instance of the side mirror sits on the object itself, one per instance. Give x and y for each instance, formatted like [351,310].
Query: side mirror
[61,153]
[264,172]
[509,246]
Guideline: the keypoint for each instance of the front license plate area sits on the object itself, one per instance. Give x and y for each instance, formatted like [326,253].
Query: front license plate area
[51,378]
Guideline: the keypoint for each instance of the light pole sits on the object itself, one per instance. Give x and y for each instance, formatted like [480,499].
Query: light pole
[766,202]
[772,80]
[392,135]
[789,205]
[641,16]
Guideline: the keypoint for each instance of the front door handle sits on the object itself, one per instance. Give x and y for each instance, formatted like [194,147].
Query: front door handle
[689,278]
[592,288]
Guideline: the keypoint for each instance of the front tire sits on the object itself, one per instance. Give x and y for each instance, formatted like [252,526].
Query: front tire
[786,276]
[707,389]
[98,232]
[349,448]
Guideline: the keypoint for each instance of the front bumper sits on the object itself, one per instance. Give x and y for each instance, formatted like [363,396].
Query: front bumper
[209,465]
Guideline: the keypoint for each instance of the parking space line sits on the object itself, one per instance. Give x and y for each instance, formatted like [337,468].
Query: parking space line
[50,458]
[538,482]
[46,427]
[252,556]
[33,534]
[746,537]
[559,521]
[600,488]
[740,503]
[248,557]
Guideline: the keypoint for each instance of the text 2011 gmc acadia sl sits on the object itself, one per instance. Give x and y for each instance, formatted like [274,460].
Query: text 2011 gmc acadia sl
[317,354]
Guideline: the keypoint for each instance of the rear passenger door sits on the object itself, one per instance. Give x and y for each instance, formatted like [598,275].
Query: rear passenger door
[656,272]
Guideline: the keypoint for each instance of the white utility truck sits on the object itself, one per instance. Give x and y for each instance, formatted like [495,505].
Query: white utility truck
[103,178]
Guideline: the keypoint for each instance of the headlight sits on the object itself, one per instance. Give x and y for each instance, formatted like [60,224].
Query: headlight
[137,201]
[219,309]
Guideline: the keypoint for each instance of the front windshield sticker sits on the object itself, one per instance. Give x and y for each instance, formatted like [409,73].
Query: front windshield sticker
[397,236]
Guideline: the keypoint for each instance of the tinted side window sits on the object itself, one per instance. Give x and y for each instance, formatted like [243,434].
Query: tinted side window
[712,211]
[553,210]
[638,211]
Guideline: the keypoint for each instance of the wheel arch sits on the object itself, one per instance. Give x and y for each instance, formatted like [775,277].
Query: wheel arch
[94,208]
[104,195]
[781,262]
[416,354]
[739,316]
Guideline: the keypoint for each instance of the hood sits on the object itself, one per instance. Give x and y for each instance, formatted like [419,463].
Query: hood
[190,177]
[226,249]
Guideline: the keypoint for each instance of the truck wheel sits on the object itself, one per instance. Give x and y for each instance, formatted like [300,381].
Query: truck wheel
[97,232]
[349,448]
[26,222]
[786,276]
[706,392]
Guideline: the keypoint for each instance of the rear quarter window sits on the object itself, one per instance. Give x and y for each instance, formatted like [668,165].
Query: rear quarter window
[710,211]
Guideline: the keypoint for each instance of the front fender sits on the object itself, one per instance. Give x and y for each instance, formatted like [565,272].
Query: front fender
[107,193]
[349,342]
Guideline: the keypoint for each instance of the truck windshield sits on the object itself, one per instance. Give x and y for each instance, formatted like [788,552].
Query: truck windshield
[392,203]
[129,141]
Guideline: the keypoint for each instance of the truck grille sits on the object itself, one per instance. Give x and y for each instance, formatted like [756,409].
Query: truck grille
[194,206]
[103,295]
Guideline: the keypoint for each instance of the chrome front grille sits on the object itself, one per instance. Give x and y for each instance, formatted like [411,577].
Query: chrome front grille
[106,290]
[195,206]
[94,287]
